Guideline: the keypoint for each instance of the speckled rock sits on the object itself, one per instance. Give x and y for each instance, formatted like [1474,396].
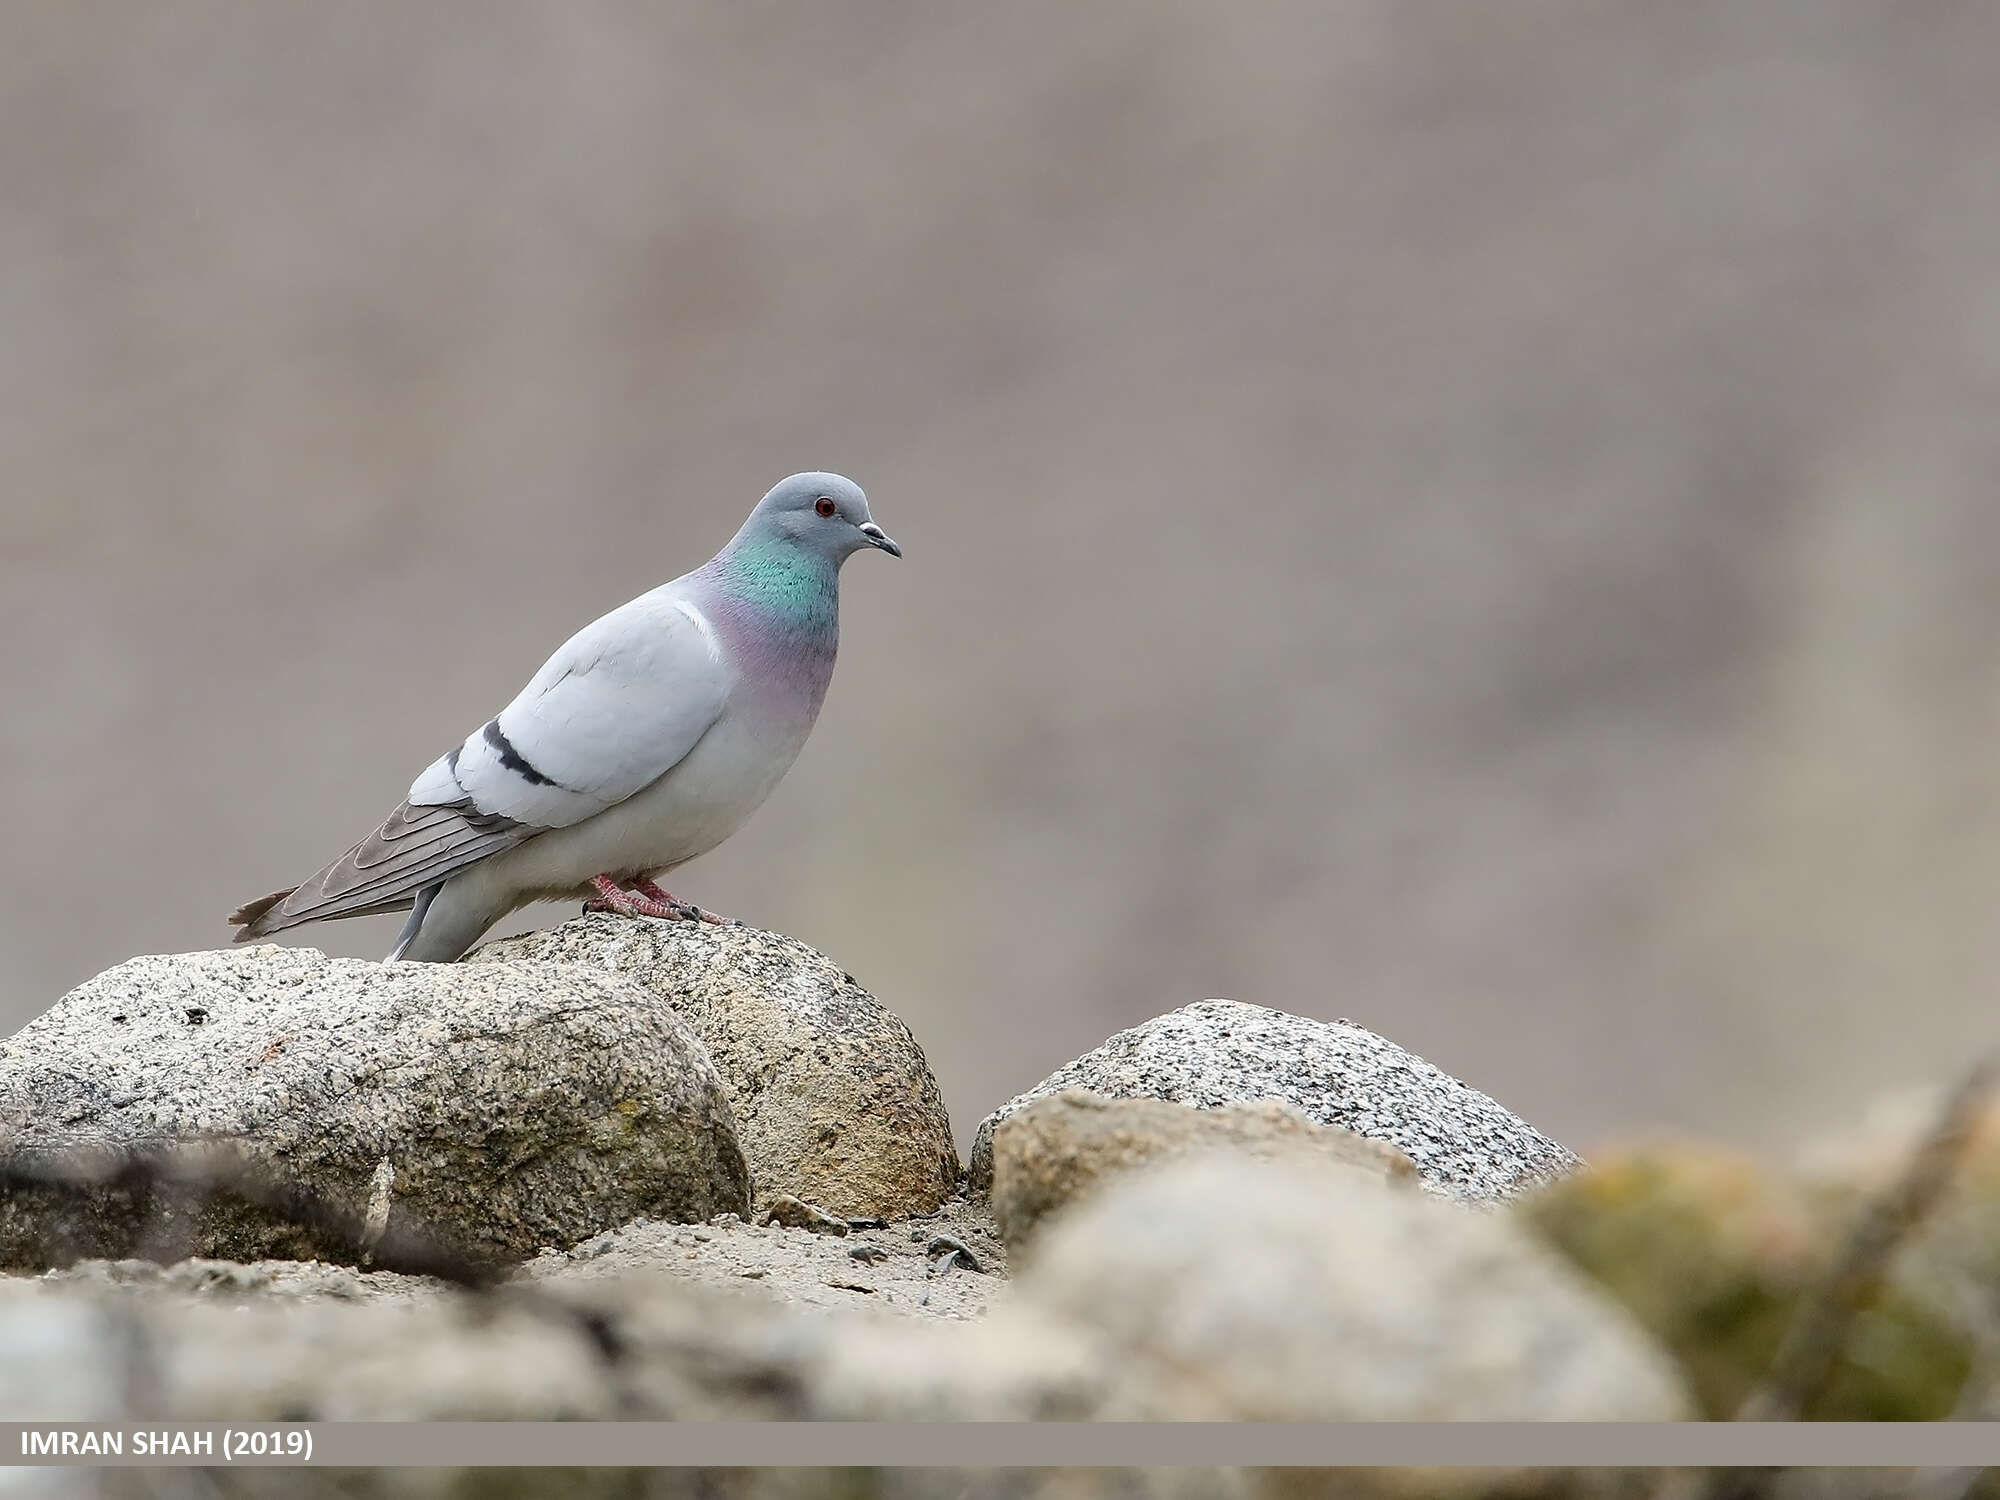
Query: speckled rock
[1218,1052]
[1297,1290]
[1065,1147]
[834,1101]
[503,1107]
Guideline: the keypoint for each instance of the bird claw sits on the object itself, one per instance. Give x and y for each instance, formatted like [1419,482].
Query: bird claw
[687,911]
[647,900]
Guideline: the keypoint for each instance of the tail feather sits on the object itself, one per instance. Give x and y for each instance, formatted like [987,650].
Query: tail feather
[266,915]
[416,847]
[250,913]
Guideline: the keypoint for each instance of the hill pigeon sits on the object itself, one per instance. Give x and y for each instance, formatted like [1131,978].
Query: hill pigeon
[647,739]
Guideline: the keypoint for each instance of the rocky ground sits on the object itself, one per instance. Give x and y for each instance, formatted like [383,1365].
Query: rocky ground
[948,1264]
[640,1170]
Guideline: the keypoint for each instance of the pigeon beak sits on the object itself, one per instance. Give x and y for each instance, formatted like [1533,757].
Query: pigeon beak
[877,537]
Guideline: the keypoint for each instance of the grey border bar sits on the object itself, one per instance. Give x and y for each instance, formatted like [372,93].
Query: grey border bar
[989,1445]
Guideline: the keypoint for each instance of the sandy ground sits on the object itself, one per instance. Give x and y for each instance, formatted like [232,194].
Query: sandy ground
[892,1268]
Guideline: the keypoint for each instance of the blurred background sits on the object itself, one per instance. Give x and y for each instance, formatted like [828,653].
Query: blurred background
[1477,519]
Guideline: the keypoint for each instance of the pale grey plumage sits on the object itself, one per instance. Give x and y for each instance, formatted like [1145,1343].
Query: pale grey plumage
[645,740]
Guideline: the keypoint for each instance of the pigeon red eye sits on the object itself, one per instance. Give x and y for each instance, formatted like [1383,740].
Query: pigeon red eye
[824,506]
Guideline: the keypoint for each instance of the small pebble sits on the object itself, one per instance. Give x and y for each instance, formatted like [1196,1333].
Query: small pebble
[868,1253]
[952,1249]
[789,1211]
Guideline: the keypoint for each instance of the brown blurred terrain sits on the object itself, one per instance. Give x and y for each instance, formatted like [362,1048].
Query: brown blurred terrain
[1481,520]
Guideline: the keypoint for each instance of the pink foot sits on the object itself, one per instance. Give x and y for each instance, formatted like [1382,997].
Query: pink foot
[645,900]
[646,888]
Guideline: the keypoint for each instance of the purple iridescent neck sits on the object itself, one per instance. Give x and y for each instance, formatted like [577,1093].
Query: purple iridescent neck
[778,607]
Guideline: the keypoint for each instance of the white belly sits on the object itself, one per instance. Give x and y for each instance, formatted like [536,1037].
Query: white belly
[686,813]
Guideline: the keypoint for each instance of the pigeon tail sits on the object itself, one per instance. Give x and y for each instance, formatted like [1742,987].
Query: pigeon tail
[250,913]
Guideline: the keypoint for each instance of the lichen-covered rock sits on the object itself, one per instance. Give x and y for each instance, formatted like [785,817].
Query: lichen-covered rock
[1954,1257]
[1064,1147]
[834,1100]
[1235,1289]
[1218,1052]
[1713,1252]
[1950,1267]
[501,1107]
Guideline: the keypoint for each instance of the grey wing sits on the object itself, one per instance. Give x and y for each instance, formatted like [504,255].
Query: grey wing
[613,710]
[610,713]
[415,847]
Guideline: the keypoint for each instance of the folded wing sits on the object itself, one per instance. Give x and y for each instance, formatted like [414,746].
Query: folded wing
[609,714]
[614,709]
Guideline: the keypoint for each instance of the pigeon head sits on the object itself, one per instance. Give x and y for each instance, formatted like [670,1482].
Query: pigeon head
[822,514]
